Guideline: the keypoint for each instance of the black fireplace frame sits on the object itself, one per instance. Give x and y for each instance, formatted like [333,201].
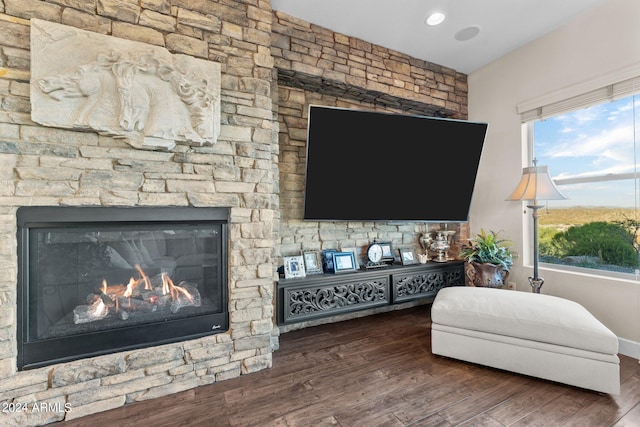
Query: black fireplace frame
[36,354]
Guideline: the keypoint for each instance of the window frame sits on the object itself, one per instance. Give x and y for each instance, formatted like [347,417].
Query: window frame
[530,113]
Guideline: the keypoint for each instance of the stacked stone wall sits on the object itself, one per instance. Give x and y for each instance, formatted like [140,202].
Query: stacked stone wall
[319,67]
[318,59]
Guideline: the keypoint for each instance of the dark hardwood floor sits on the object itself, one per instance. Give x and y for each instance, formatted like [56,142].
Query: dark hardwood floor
[379,371]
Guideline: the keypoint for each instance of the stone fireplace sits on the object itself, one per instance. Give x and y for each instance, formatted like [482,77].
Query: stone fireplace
[96,214]
[97,280]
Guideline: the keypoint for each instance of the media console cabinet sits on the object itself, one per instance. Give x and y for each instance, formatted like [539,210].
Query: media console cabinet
[324,295]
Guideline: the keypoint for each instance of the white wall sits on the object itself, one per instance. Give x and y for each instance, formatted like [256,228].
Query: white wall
[593,47]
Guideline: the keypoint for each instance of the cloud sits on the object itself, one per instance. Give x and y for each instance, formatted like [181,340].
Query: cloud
[615,144]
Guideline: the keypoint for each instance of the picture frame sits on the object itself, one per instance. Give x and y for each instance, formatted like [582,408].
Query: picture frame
[312,263]
[294,267]
[343,262]
[355,256]
[408,257]
[327,260]
[387,252]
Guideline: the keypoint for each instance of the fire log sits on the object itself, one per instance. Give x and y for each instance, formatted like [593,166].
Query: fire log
[95,310]
[186,295]
[135,304]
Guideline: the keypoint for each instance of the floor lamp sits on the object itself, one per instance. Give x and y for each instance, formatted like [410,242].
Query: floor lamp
[535,185]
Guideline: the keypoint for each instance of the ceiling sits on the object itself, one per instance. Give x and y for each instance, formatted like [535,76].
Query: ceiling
[400,25]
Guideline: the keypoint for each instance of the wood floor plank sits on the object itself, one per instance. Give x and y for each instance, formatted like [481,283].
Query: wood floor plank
[379,371]
[482,400]
[609,409]
[557,412]
[630,419]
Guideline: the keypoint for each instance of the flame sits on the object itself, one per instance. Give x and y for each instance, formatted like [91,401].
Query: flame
[147,282]
[133,283]
[124,299]
[165,283]
[114,291]
[176,291]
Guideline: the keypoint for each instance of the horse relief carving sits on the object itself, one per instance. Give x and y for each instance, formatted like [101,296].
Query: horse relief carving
[122,88]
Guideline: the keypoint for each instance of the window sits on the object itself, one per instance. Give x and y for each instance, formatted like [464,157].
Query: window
[593,155]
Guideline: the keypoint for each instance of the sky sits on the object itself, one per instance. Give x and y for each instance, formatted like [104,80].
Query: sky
[593,141]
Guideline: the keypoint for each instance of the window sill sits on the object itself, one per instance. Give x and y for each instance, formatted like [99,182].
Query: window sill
[591,272]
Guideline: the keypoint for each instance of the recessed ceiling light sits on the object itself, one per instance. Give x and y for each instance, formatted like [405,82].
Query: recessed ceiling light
[467,33]
[435,19]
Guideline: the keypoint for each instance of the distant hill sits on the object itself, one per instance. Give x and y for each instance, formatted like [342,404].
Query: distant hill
[581,215]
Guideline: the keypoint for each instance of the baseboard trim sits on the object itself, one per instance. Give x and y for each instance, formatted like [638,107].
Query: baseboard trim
[629,348]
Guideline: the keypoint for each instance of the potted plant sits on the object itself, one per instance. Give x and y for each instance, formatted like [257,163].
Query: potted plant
[489,260]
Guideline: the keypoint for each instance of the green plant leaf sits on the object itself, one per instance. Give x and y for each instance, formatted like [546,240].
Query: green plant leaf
[486,247]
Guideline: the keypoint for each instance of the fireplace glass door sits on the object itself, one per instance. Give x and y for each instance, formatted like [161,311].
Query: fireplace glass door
[133,278]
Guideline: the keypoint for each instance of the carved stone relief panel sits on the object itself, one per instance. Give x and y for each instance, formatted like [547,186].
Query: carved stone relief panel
[143,93]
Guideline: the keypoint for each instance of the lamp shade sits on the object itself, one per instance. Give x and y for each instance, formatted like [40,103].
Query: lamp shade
[536,184]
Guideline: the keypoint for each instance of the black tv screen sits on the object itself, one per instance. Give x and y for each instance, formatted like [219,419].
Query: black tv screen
[375,166]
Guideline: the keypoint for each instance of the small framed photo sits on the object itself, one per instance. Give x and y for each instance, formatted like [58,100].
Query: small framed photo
[408,257]
[312,262]
[387,251]
[327,260]
[294,267]
[343,262]
[355,256]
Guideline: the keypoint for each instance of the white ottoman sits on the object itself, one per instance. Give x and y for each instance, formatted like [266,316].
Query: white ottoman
[531,334]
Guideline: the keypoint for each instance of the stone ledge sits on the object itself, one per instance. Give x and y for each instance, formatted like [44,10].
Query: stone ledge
[299,80]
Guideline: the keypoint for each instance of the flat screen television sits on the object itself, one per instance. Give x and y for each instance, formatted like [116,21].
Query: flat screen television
[376,166]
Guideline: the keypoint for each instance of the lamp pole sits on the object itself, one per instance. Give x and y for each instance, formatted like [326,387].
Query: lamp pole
[535,281]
